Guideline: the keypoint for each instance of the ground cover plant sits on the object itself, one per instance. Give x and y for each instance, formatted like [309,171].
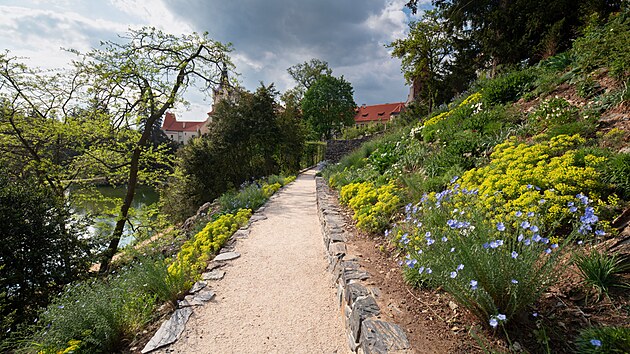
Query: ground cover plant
[543,176]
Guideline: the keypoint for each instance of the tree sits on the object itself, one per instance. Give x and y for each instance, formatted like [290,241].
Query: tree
[307,73]
[42,248]
[425,53]
[328,106]
[138,81]
[508,32]
[248,139]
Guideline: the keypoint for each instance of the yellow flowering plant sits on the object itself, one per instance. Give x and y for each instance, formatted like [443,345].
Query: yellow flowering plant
[373,206]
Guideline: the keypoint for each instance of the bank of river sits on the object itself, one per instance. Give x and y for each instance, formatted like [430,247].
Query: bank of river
[108,201]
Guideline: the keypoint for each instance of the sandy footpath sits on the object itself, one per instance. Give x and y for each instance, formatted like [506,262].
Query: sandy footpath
[277,297]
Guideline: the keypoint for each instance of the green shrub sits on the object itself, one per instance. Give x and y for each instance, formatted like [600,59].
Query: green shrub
[102,315]
[250,196]
[494,269]
[508,87]
[151,276]
[602,271]
[605,46]
[604,340]
[617,172]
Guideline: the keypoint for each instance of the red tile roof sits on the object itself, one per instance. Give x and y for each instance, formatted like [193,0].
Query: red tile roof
[378,112]
[171,123]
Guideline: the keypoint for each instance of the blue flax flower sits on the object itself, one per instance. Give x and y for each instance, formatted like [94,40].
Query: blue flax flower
[518,214]
[452,249]
[514,281]
[501,317]
[500,226]
[533,228]
[514,254]
[473,284]
[460,267]
[444,239]
[596,342]
[525,225]
[453,274]
[599,233]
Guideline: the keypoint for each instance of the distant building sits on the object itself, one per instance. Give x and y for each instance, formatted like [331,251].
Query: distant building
[379,113]
[181,131]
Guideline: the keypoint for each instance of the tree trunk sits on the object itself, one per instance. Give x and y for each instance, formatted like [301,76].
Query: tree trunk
[132,182]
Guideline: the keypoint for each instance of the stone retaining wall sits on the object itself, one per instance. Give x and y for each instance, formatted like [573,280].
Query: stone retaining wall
[366,332]
[336,149]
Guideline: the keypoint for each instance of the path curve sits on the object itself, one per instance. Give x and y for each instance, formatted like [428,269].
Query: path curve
[277,297]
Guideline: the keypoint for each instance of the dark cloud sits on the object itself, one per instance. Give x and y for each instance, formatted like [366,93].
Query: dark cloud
[271,35]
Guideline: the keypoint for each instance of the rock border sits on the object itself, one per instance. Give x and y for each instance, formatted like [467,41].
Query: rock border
[366,333]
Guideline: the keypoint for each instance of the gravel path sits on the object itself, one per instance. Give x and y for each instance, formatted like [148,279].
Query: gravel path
[277,297]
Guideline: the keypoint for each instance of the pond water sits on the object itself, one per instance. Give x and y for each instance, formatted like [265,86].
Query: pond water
[111,200]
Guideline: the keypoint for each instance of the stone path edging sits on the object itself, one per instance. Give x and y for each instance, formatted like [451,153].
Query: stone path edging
[366,333]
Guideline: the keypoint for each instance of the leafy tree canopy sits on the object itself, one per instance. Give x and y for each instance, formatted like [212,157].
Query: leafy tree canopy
[42,247]
[305,74]
[328,105]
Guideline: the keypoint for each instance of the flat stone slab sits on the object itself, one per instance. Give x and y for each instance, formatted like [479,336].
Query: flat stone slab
[255,218]
[213,275]
[337,249]
[353,291]
[241,233]
[380,337]
[227,256]
[198,286]
[363,308]
[169,331]
[353,274]
[205,295]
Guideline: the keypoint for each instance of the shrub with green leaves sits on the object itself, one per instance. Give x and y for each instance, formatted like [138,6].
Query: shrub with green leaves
[508,87]
[604,340]
[101,315]
[494,269]
[602,271]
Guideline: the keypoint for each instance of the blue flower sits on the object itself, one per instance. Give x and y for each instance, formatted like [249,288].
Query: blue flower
[535,314]
[525,225]
[580,242]
[430,241]
[527,242]
[599,233]
[460,267]
[473,284]
[453,274]
[531,214]
[429,271]
[514,254]
[533,228]
[444,239]
[411,263]
[518,214]
[548,251]
[573,209]
[542,201]
[501,317]
[496,243]
[555,245]
[500,226]
[427,234]
[486,245]
[493,322]
[452,249]
[420,270]
[454,179]
[536,238]
[596,342]
[582,198]
[529,186]
[452,223]
[514,281]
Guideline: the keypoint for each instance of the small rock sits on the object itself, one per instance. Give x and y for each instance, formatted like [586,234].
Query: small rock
[205,295]
[226,256]
[198,286]
[213,275]
[452,305]
[169,331]
[257,217]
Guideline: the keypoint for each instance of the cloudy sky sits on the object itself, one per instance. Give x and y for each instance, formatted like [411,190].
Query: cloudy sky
[268,36]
